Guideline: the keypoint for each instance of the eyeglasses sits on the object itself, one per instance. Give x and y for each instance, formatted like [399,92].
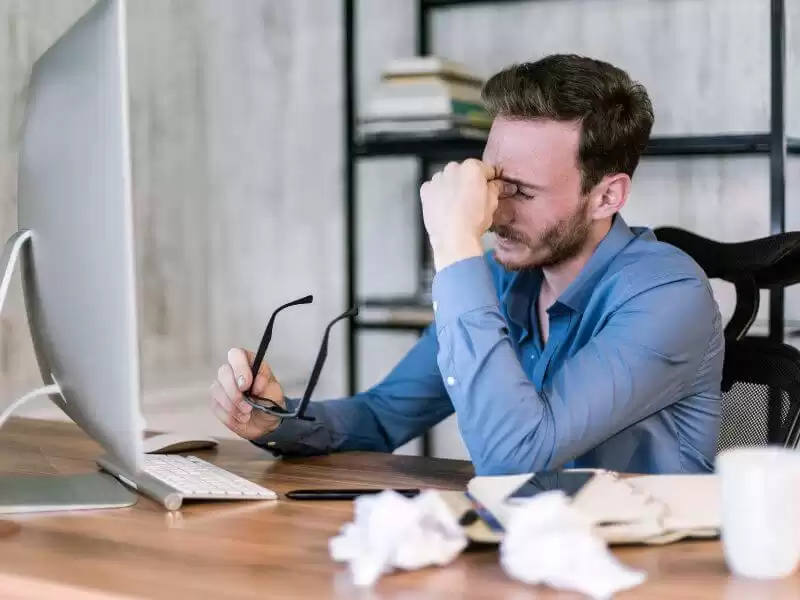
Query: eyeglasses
[271,407]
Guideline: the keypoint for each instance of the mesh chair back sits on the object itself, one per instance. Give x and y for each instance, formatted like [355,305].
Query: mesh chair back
[761,394]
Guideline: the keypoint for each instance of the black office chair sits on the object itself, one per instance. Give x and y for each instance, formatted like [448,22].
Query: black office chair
[761,378]
[761,264]
[760,394]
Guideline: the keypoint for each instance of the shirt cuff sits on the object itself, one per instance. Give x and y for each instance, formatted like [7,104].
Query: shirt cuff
[284,438]
[462,287]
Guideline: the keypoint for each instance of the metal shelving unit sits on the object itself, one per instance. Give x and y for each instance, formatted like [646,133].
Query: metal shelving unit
[436,148]
[449,147]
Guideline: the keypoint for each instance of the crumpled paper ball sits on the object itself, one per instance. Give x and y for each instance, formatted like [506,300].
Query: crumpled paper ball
[548,541]
[391,531]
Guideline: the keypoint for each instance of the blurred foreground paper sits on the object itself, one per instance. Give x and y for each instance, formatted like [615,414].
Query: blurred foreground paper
[548,541]
[390,532]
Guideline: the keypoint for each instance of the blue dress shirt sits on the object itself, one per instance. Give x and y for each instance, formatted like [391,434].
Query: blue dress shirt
[628,380]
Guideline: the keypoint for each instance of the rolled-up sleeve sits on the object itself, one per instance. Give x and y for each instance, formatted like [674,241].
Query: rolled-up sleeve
[636,364]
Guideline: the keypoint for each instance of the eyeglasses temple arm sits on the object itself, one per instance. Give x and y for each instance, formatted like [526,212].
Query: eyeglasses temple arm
[267,337]
[321,356]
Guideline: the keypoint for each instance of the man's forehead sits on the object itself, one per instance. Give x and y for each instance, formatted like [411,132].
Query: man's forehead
[514,145]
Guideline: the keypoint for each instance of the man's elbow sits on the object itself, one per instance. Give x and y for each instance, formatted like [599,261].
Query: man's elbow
[525,454]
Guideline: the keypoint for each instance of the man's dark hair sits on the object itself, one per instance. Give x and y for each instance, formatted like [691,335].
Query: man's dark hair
[615,112]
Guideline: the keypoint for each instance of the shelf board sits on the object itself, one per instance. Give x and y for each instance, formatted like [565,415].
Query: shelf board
[445,145]
[450,146]
[716,145]
[405,313]
[445,3]
[390,325]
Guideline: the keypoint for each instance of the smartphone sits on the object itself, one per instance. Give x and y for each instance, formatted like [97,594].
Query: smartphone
[569,482]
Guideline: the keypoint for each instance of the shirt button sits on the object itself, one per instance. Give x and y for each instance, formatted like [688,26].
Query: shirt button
[451,381]
[435,306]
[270,443]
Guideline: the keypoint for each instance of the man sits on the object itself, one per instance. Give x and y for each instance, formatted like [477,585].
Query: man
[577,342]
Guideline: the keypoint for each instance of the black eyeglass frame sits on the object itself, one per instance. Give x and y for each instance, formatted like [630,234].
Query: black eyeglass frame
[272,408]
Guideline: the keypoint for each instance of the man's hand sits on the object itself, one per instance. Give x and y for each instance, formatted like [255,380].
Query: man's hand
[227,402]
[457,206]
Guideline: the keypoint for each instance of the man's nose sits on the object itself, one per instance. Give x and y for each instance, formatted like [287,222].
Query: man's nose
[504,215]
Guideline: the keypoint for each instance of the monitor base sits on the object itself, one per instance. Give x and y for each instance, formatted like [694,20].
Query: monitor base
[51,493]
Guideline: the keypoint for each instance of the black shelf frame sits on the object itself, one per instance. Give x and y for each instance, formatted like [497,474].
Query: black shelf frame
[775,144]
[432,4]
[449,146]
[778,149]
[391,326]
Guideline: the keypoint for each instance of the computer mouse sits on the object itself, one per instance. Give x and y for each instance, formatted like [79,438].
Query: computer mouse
[166,443]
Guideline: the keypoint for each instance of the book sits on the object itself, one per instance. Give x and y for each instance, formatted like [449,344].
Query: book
[429,87]
[430,65]
[426,106]
[396,310]
[420,127]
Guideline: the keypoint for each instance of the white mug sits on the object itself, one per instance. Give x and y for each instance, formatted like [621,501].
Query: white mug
[760,500]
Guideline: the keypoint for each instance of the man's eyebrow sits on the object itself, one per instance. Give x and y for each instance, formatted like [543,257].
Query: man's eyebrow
[520,183]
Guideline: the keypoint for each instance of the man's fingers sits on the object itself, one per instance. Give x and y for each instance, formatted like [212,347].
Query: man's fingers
[240,362]
[231,407]
[228,420]
[486,170]
[228,382]
[495,190]
[229,386]
[218,396]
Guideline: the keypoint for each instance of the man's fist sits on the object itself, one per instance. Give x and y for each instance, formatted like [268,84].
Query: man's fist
[457,206]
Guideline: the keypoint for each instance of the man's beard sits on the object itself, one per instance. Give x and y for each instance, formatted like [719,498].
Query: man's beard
[562,241]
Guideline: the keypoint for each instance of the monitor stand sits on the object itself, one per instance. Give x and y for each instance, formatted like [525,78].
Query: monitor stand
[47,493]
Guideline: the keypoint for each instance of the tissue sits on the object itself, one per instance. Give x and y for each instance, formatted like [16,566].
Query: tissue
[548,541]
[390,531]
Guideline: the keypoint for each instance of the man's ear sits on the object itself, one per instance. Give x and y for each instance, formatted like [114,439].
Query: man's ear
[610,195]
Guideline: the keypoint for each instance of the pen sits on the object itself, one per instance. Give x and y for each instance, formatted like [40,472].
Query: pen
[344,494]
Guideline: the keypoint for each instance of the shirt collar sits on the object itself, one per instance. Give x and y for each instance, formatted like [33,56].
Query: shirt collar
[523,289]
[577,295]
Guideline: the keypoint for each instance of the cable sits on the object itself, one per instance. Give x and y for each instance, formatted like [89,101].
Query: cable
[42,391]
[8,261]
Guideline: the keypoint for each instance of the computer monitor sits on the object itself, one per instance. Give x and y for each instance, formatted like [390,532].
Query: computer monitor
[77,257]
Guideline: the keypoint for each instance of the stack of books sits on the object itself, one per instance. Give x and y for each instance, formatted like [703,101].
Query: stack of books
[410,311]
[427,95]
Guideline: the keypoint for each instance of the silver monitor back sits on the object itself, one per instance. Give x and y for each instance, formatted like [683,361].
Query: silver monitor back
[75,197]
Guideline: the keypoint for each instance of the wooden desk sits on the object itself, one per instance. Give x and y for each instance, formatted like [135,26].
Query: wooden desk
[276,549]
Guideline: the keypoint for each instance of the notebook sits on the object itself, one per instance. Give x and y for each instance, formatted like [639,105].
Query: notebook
[652,509]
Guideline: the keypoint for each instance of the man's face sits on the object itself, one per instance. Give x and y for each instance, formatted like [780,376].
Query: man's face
[543,219]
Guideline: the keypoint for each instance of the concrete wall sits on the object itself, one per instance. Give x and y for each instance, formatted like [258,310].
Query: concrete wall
[237,138]
[236,119]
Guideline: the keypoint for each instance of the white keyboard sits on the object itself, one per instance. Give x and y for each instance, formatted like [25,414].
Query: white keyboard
[197,479]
